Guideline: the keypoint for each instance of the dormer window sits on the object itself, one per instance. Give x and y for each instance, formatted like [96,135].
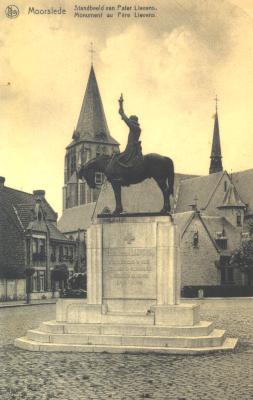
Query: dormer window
[195,241]
[99,178]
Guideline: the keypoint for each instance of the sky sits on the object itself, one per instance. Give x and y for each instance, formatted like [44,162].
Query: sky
[169,69]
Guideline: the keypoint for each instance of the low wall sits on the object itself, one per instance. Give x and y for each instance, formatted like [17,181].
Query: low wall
[43,295]
[12,289]
[15,289]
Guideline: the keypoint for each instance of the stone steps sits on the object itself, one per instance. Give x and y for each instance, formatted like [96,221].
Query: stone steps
[215,338]
[203,328]
[27,344]
[127,318]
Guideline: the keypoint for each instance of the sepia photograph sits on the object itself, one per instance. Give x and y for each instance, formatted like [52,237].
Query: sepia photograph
[126,200]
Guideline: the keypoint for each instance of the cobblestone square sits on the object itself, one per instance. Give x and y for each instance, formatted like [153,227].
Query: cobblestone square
[67,376]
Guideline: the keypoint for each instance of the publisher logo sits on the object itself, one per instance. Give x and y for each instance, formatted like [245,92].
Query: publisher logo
[12,11]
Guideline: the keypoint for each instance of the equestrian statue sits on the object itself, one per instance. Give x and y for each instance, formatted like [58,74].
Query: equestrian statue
[131,167]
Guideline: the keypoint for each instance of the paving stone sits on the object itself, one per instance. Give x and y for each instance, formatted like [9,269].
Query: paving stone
[86,376]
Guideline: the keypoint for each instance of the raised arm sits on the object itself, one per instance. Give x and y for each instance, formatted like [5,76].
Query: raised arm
[121,112]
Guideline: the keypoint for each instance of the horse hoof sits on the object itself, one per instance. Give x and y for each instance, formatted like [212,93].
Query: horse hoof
[117,212]
[165,211]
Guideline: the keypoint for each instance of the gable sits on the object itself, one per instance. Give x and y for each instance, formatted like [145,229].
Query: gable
[243,182]
[20,204]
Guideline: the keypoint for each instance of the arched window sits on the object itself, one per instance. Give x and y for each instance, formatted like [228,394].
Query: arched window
[72,163]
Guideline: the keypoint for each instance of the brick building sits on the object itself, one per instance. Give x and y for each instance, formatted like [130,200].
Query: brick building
[29,238]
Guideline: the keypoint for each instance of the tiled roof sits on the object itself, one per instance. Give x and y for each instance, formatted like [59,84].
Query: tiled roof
[143,197]
[76,218]
[22,203]
[182,220]
[17,211]
[203,187]
[55,233]
[37,226]
[243,182]
[92,125]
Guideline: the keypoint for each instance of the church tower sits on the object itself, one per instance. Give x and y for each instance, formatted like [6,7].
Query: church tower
[216,157]
[90,139]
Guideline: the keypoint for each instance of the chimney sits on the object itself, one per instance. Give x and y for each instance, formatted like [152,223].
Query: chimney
[39,194]
[2,180]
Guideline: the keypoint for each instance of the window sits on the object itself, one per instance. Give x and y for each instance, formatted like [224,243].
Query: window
[42,246]
[82,193]
[222,243]
[35,245]
[42,281]
[195,242]
[98,151]
[28,251]
[71,252]
[60,253]
[35,282]
[238,219]
[66,251]
[38,249]
[72,163]
[227,276]
[225,186]
[53,254]
[227,272]
[98,178]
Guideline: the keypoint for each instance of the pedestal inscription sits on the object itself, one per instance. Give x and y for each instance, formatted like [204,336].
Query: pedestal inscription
[129,261]
[129,273]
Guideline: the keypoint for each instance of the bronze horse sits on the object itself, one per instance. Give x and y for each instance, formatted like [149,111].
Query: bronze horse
[155,166]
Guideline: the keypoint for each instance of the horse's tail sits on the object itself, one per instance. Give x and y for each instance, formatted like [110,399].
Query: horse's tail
[170,176]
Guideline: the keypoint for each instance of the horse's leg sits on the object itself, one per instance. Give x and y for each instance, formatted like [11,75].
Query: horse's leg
[117,193]
[166,195]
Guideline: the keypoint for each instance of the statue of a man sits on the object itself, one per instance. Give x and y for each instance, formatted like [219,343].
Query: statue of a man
[131,158]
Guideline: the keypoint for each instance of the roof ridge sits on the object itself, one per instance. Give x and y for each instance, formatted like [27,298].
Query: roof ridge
[18,190]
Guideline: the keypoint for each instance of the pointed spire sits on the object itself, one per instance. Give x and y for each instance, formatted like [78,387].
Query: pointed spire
[216,157]
[92,123]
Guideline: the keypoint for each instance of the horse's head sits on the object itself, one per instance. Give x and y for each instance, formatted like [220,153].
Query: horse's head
[87,172]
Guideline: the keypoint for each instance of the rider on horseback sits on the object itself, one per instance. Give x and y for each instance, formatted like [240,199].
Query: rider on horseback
[131,158]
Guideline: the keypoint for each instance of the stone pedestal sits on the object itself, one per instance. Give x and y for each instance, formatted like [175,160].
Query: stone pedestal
[133,303]
[133,263]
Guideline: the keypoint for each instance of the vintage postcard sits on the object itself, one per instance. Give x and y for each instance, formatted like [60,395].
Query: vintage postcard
[126,197]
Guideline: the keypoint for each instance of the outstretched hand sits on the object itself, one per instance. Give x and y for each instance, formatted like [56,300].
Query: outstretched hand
[121,99]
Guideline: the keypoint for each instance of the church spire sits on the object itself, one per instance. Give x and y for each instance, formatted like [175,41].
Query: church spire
[216,157]
[92,121]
